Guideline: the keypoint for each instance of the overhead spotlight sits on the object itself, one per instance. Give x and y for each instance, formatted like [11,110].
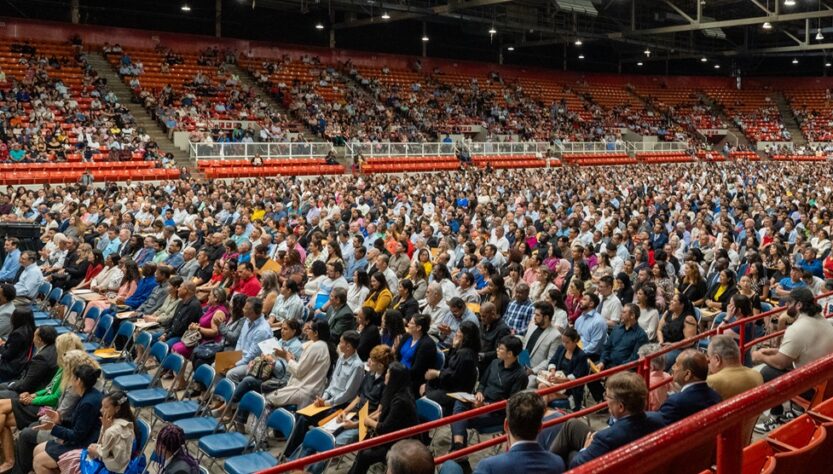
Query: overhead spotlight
[510,48]
[385,16]
[425,38]
[648,52]
[703,59]
[319,26]
[492,31]
[819,36]
[795,60]
[827,64]
[581,56]
[789,3]
[639,63]
[185,8]
[767,25]
[717,66]
[578,42]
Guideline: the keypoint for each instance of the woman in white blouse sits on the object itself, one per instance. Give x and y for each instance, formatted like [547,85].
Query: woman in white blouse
[646,299]
[109,278]
[358,291]
[308,375]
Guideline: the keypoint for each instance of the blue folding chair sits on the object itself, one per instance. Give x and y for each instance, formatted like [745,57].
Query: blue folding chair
[43,290]
[100,334]
[155,393]
[144,434]
[179,409]
[44,319]
[204,424]
[317,440]
[54,296]
[232,443]
[141,380]
[279,420]
[429,410]
[117,369]
[125,331]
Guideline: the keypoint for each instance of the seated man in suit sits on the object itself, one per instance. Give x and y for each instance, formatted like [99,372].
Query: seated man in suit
[626,395]
[690,372]
[541,340]
[524,415]
[40,369]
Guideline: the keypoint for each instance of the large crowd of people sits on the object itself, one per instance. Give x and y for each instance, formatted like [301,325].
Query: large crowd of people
[383,289]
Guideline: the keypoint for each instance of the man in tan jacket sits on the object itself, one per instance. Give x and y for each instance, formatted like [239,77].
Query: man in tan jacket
[728,377]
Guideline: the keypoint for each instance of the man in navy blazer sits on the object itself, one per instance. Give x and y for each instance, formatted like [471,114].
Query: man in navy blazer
[524,414]
[626,395]
[690,372]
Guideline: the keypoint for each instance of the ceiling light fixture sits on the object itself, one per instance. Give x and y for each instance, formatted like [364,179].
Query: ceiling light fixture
[581,56]
[827,64]
[319,26]
[425,38]
[717,66]
[767,25]
[639,63]
[510,48]
[492,31]
[703,59]
[819,36]
[385,16]
[789,3]
[185,8]
[578,42]
[795,60]
[648,52]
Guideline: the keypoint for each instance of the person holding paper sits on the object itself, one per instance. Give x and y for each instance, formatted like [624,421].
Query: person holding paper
[309,373]
[344,386]
[255,329]
[459,374]
[370,393]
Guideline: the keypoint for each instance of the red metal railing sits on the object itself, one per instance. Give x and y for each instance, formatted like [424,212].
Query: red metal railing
[643,367]
[721,423]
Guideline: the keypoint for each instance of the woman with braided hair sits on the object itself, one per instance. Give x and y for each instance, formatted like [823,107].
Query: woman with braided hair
[172,453]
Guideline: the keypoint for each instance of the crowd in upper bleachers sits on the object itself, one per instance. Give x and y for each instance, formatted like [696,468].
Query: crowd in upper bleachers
[396,290]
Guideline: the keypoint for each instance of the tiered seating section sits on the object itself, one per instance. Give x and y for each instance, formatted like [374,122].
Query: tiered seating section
[398,164]
[682,105]
[596,159]
[798,158]
[191,91]
[271,167]
[754,111]
[813,107]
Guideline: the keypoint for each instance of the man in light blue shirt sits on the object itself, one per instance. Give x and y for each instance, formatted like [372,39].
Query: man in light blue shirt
[12,262]
[30,280]
[592,327]
[255,329]
[448,325]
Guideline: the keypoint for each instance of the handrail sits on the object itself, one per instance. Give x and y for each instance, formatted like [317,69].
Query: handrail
[721,421]
[642,365]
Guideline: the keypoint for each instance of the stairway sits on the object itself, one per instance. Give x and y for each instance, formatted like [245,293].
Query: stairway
[790,120]
[248,80]
[734,130]
[140,115]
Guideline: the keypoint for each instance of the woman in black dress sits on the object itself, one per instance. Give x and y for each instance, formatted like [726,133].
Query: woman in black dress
[14,354]
[459,373]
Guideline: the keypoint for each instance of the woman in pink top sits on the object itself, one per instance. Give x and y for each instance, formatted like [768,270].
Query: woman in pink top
[209,326]
[126,288]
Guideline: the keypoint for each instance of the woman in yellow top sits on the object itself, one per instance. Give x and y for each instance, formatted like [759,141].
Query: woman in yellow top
[380,296]
[718,298]
[424,258]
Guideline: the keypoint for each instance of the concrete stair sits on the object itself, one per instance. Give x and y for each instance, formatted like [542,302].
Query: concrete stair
[248,80]
[790,120]
[140,115]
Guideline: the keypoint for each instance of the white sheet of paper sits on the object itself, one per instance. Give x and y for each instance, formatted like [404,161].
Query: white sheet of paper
[268,346]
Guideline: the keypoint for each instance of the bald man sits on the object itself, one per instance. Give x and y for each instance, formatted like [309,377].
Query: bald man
[690,372]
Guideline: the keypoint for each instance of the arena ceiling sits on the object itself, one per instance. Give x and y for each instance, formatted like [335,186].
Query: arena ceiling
[655,36]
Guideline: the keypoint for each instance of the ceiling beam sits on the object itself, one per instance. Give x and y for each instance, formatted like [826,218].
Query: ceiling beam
[414,13]
[726,23]
[680,12]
